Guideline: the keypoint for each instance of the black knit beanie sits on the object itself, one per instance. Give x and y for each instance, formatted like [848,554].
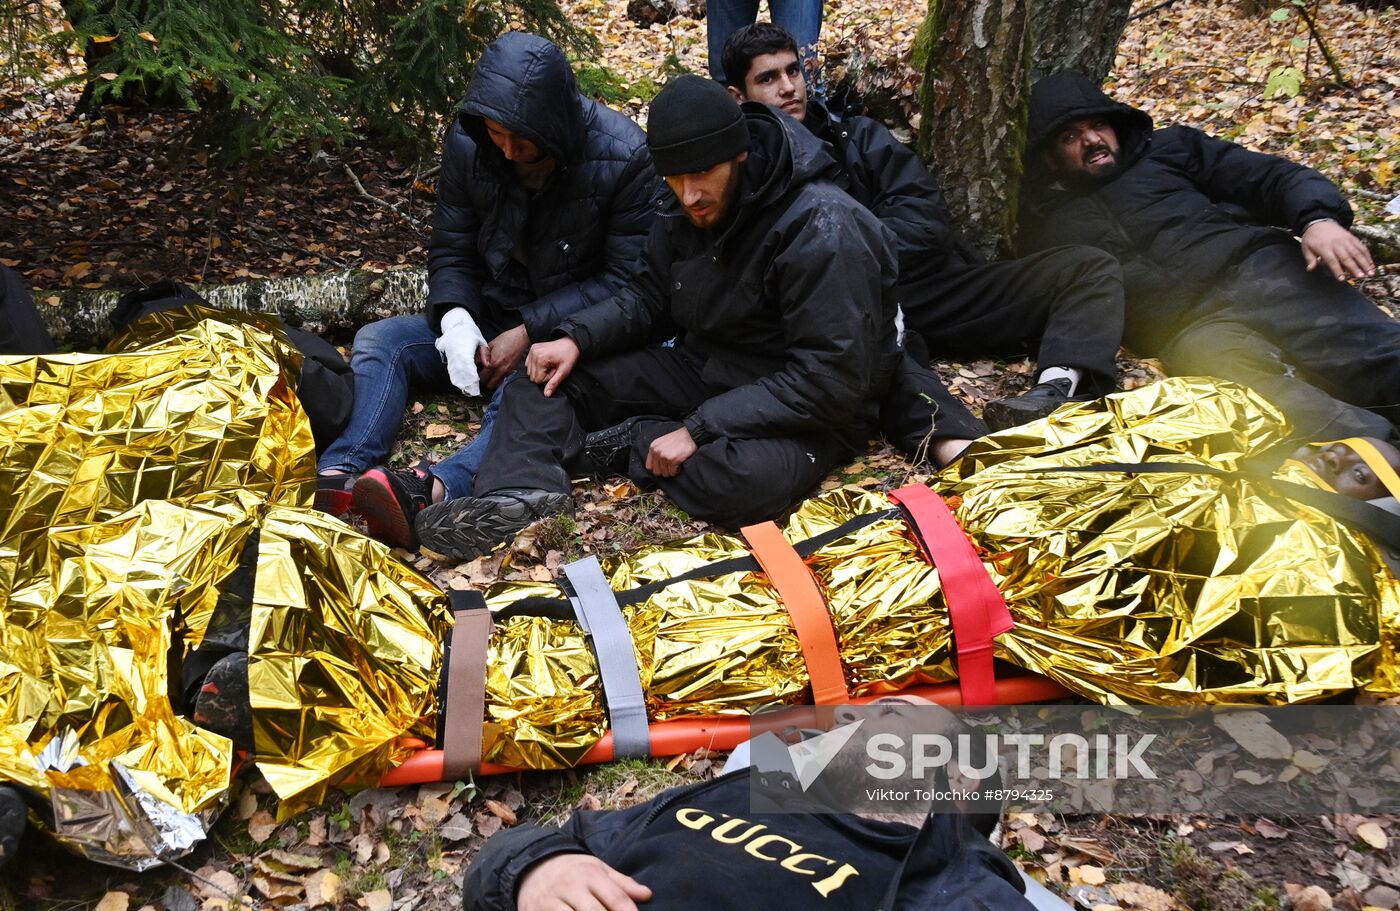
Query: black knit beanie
[694,125]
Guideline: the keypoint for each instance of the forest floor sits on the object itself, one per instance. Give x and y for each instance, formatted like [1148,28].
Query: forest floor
[138,195]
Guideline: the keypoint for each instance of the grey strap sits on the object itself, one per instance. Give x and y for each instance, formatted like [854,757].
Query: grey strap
[601,618]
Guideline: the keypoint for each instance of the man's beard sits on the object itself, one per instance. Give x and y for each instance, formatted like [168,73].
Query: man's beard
[1089,179]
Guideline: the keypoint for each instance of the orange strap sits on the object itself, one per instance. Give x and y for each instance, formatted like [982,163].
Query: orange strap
[805,605]
[466,694]
[975,605]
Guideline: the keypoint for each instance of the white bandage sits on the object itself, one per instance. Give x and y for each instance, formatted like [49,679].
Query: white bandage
[458,344]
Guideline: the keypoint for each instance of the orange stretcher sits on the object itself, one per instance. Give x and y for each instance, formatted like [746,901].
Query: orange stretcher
[976,610]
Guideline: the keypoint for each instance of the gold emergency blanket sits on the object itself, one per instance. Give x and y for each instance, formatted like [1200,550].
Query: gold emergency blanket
[1155,588]
[133,486]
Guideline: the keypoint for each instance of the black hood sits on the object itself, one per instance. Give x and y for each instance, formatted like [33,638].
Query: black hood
[524,83]
[1062,98]
[782,155]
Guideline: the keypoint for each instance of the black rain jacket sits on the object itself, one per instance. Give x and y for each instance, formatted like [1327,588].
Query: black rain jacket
[580,235]
[791,303]
[1183,209]
[702,847]
[889,179]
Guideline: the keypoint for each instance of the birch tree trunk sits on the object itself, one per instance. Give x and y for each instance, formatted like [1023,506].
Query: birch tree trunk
[982,56]
[335,302]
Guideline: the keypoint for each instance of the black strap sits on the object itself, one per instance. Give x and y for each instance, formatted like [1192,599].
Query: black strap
[561,609]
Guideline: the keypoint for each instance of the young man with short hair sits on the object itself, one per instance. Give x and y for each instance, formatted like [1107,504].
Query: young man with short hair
[1064,305]
[778,289]
[1216,282]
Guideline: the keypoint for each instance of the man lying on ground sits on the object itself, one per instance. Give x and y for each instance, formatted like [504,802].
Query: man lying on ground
[1065,304]
[1216,283]
[543,205]
[709,845]
[779,289]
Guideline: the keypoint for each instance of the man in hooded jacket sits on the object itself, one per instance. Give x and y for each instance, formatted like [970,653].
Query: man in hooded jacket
[1216,282]
[1064,305]
[756,838]
[544,201]
[779,291]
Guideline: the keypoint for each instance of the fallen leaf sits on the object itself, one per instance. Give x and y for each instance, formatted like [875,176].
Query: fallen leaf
[220,885]
[316,832]
[438,431]
[1251,730]
[502,812]
[1269,830]
[114,901]
[457,828]
[1309,762]
[486,824]
[378,900]
[1351,877]
[324,887]
[1143,896]
[433,810]
[1373,835]
[1311,898]
[261,826]
[1032,840]
[362,846]
[280,861]
[247,804]
[1088,874]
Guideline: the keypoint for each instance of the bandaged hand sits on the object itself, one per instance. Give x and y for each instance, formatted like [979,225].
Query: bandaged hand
[458,345]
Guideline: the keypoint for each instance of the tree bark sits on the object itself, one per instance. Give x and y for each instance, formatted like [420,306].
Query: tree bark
[973,101]
[1081,36]
[982,56]
[326,303]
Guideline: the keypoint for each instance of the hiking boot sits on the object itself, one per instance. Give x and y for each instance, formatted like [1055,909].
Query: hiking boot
[222,704]
[13,816]
[606,452]
[1043,399]
[333,493]
[466,528]
[389,499]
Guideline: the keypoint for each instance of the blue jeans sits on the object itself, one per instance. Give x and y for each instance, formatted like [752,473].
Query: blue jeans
[390,357]
[803,18]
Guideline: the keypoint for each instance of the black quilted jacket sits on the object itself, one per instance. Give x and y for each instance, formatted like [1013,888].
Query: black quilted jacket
[579,236]
[791,304]
[1185,209]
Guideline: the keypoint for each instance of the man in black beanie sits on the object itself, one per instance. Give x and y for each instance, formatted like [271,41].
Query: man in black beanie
[779,291]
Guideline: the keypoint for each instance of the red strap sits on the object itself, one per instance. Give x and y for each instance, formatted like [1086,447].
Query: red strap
[806,606]
[975,605]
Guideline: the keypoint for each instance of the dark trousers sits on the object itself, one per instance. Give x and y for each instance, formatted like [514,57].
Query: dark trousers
[919,409]
[22,331]
[1319,349]
[1221,345]
[1063,305]
[538,441]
